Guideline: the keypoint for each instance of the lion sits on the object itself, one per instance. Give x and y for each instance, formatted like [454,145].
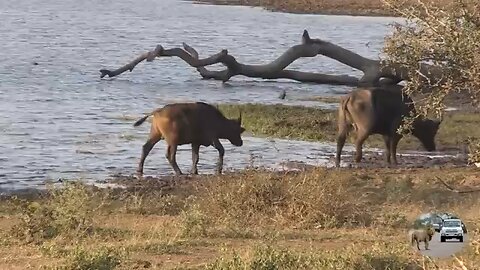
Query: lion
[422,235]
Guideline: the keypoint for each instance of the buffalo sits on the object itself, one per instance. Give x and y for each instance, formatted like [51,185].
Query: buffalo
[381,111]
[190,123]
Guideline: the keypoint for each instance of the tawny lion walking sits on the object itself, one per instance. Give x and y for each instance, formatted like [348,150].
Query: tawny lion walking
[422,235]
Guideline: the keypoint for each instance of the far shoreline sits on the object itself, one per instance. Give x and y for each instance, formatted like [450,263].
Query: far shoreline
[337,11]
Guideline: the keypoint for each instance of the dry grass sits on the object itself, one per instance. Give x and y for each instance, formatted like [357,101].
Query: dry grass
[285,200]
[248,220]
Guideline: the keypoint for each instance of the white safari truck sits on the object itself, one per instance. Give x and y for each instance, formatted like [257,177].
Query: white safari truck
[451,228]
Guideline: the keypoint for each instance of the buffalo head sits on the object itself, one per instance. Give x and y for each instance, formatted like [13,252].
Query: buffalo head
[425,131]
[235,130]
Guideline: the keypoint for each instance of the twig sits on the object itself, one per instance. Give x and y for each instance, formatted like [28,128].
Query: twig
[462,265]
[454,189]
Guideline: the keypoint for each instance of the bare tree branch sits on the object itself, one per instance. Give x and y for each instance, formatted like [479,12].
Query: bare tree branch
[160,51]
[374,72]
[235,68]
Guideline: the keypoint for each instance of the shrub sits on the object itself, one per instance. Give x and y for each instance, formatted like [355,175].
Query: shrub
[474,150]
[445,36]
[66,210]
[193,222]
[86,259]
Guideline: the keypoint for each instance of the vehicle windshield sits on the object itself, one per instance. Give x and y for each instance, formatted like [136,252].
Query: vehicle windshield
[451,224]
[436,220]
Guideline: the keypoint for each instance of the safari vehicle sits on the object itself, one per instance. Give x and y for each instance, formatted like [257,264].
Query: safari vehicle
[437,222]
[451,228]
[431,219]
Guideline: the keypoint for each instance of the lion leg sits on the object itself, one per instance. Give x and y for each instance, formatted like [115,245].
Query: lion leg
[426,244]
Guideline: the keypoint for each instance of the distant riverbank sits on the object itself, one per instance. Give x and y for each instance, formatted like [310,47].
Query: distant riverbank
[325,7]
[341,7]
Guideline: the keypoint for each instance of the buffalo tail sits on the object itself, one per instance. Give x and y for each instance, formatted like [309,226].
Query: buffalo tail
[141,120]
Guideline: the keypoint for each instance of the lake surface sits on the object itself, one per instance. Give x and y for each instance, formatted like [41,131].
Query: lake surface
[58,119]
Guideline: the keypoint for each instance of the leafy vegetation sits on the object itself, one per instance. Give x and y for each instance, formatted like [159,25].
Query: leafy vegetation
[85,259]
[447,37]
[445,40]
[66,211]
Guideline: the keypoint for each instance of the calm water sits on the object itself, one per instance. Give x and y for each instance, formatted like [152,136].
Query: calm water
[58,119]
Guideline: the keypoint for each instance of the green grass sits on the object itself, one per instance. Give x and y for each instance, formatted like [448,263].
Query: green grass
[314,124]
[324,99]
[291,122]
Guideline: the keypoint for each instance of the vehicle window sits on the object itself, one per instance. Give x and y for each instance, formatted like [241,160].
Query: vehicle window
[451,224]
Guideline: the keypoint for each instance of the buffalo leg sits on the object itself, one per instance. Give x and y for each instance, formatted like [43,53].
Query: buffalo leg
[387,141]
[147,147]
[340,143]
[195,157]
[221,153]
[343,130]
[393,147]
[171,156]
[361,137]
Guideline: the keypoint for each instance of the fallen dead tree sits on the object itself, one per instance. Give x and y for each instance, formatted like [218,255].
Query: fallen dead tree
[374,71]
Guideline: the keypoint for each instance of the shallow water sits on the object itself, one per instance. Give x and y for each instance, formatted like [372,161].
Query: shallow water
[58,119]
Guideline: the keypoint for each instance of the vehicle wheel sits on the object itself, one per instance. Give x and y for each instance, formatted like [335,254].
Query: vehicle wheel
[460,238]
[442,239]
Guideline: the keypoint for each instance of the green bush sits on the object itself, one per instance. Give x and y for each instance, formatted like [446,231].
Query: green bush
[66,210]
[85,259]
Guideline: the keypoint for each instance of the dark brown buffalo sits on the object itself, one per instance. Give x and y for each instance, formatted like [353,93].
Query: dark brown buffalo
[380,111]
[190,123]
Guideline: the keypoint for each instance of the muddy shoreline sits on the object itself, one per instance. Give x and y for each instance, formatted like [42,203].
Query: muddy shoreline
[372,161]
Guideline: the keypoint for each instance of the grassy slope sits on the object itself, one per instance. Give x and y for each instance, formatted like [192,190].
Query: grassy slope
[296,122]
[285,220]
